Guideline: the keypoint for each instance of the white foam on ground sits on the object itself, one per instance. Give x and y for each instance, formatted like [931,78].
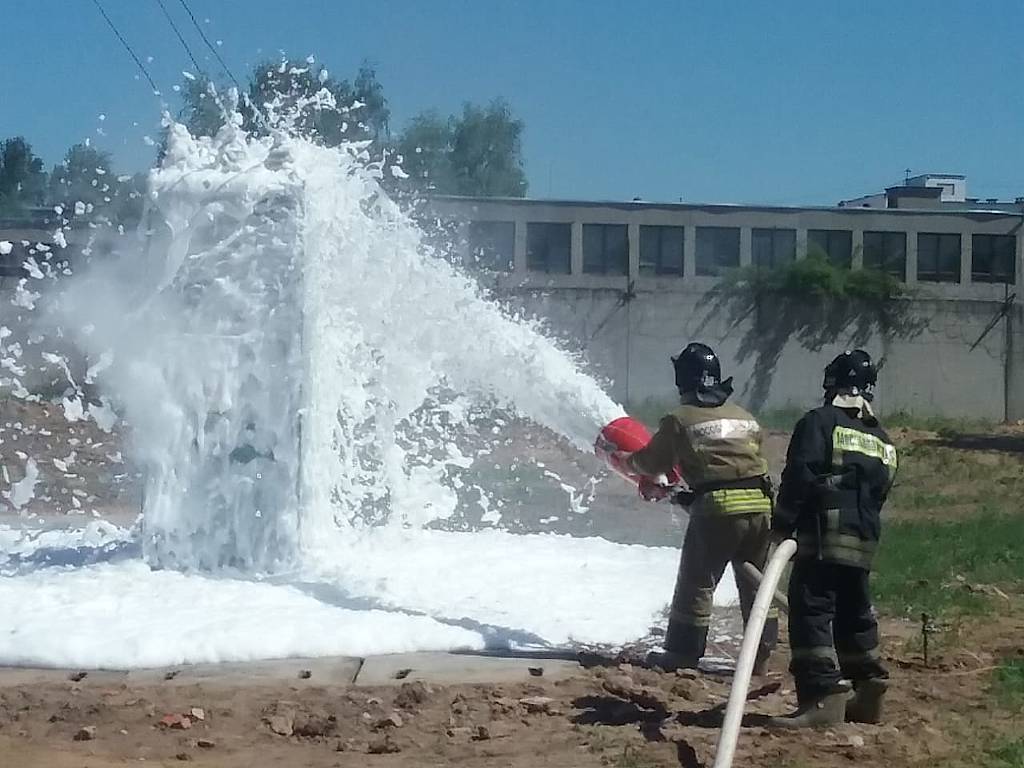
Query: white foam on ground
[129,616]
[304,381]
[452,591]
[560,589]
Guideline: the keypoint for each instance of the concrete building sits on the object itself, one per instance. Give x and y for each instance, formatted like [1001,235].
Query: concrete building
[942,191]
[626,283]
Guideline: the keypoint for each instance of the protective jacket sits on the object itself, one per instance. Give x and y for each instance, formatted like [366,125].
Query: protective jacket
[718,450]
[839,470]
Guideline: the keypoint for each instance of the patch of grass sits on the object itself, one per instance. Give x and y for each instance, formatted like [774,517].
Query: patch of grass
[919,561]
[1005,753]
[921,498]
[941,481]
[1008,684]
[942,425]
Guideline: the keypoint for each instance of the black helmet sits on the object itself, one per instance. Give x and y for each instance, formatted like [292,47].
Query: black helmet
[697,367]
[850,371]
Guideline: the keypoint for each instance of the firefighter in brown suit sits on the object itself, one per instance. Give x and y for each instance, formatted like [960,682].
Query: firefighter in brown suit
[716,446]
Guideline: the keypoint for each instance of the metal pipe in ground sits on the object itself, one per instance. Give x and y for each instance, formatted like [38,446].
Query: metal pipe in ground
[748,651]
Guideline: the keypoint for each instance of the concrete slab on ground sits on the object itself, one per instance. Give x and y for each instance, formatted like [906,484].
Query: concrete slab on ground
[333,671]
[455,668]
[439,668]
[11,677]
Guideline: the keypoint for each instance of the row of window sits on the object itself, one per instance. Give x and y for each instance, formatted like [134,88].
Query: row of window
[606,250]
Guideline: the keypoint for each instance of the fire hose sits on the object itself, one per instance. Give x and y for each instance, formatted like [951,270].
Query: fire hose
[766,593]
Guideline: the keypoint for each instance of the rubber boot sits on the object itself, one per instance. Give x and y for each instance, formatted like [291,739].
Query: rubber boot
[684,645]
[761,665]
[821,711]
[670,662]
[865,706]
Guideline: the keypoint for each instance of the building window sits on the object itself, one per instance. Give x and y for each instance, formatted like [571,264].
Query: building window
[772,247]
[836,245]
[886,252]
[548,248]
[718,249]
[605,249]
[492,244]
[661,250]
[938,257]
[994,258]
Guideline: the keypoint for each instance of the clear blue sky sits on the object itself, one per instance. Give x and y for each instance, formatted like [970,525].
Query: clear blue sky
[786,102]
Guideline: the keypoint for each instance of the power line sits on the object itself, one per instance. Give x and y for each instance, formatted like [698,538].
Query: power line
[126,46]
[209,45]
[178,33]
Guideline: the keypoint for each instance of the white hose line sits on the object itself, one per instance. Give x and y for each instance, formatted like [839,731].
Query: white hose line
[755,576]
[748,651]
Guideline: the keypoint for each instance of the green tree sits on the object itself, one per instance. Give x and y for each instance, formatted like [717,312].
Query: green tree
[130,200]
[22,178]
[477,153]
[486,152]
[374,114]
[288,87]
[279,89]
[201,113]
[84,176]
[85,185]
[425,150]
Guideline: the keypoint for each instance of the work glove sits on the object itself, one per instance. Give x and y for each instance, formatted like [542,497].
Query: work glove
[653,491]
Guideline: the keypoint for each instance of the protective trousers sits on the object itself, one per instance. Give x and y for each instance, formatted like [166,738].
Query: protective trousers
[712,541]
[830,603]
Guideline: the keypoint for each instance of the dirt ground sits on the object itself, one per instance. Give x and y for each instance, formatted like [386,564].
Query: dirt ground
[620,715]
[605,716]
[83,471]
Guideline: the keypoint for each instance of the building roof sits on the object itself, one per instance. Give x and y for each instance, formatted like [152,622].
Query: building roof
[905,191]
[945,209]
[919,176]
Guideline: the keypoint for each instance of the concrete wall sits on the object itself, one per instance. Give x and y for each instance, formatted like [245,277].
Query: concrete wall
[626,327]
[629,345]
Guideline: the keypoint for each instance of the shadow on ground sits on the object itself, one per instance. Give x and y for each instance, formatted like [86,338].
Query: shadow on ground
[15,564]
[980,442]
[495,637]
